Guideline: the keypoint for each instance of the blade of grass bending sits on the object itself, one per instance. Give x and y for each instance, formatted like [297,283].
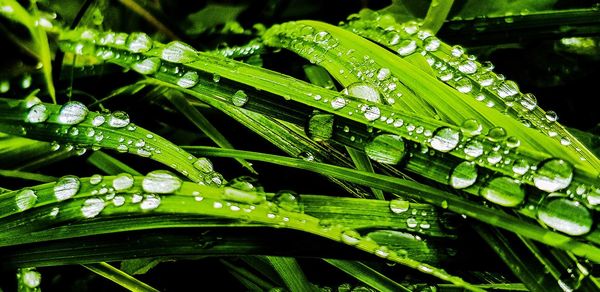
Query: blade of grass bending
[291,273]
[436,15]
[367,275]
[109,164]
[119,277]
[26,175]
[243,272]
[203,124]
[423,193]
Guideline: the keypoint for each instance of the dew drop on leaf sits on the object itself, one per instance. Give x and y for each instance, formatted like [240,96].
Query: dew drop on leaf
[25,199]
[71,113]
[150,202]
[139,42]
[239,98]
[178,52]
[399,206]
[147,66]
[122,181]
[445,139]
[66,187]
[463,175]
[92,207]
[338,103]
[161,182]
[406,47]
[189,79]
[553,175]
[565,215]
[37,114]
[204,165]
[386,149]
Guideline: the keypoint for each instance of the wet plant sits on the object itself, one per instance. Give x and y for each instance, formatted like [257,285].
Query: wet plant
[384,145]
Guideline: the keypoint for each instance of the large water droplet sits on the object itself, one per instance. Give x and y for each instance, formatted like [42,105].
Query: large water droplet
[504,191]
[204,165]
[25,199]
[371,113]
[72,112]
[445,139]
[92,207]
[98,120]
[320,126]
[399,206]
[507,88]
[150,202]
[467,67]
[529,101]
[239,98]
[147,66]
[122,182]
[66,187]
[386,148]
[37,114]
[471,127]
[431,44]
[178,52]
[553,175]
[161,182]
[118,119]
[407,47]
[566,216]
[463,175]
[289,201]
[139,42]
[189,79]
[474,148]
[363,91]
[338,103]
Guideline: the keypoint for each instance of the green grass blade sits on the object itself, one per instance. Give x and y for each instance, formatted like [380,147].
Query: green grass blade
[26,175]
[109,164]
[436,15]
[291,273]
[245,274]
[119,277]
[367,275]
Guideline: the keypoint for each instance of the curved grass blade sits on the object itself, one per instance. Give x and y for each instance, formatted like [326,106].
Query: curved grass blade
[119,277]
[291,273]
[367,275]
[75,128]
[84,198]
[436,15]
[424,193]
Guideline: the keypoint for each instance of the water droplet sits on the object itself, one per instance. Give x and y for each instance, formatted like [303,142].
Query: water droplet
[320,126]
[457,51]
[25,199]
[204,165]
[122,148]
[31,278]
[37,114]
[553,175]
[118,201]
[431,44]
[494,157]
[566,216]
[520,166]
[371,113]
[95,179]
[66,187]
[529,101]
[338,103]
[382,252]
[411,222]
[123,181]
[504,191]
[161,182]
[445,139]
[383,74]
[399,206]
[551,116]
[512,142]
[445,75]
[72,112]
[189,79]
[386,149]
[92,207]
[178,52]
[26,81]
[118,119]
[239,98]
[407,47]
[4,86]
[463,175]
[507,88]
[471,127]
[464,85]
[150,202]
[147,66]
[139,42]
[496,134]
[98,120]
[467,67]
[216,77]
[363,91]
[350,237]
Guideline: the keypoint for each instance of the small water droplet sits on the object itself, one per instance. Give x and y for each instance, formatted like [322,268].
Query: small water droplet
[553,175]
[371,113]
[71,113]
[25,199]
[551,116]
[66,187]
[37,114]
[118,119]
[147,66]
[507,88]
[123,181]
[411,222]
[161,182]
[471,127]
[239,98]
[520,166]
[338,103]
[92,207]
[383,74]
[504,191]
[463,175]
[496,134]
[150,202]
[566,216]
[189,79]
[529,101]
[399,206]
[178,52]
[31,278]
[350,237]
[445,139]
[407,47]
[431,44]
[468,67]
[118,201]
[95,179]
[98,120]
[464,85]
[139,42]
[457,51]
[386,148]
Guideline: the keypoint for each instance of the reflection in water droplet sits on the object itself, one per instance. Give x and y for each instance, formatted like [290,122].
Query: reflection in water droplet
[529,101]
[399,206]
[71,113]
[150,202]
[474,148]
[239,98]
[31,278]
[178,52]
[386,148]
[445,139]
[98,121]
[371,113]
[471,127]
[139,42]
[463,175]
[66,187]
[553,175]
[566,216]
[407,47]
[338,103]
[431,44]
[161,182]
[320,126]
[350,237]
[118,119]
[37,114]
[92,207]
[520,166]
[25,199]
[189,79]
[147,66]
[122,182]
[504,191]
[363,91]
[467,67]
[383,74]
[204,165]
